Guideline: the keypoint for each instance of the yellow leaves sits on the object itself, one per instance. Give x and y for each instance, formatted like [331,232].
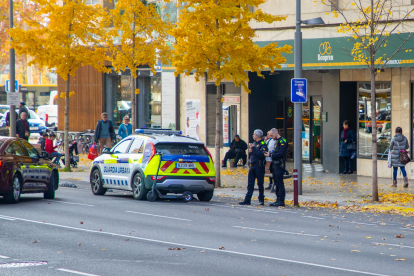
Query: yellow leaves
[63,94]
[368,237]
[136,91]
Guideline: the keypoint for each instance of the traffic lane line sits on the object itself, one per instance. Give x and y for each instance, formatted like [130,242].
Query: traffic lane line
[76,272]
[203,248]
[394,245]
[72,203]
[284,232]
[152,215]
[6,218]
[4,257]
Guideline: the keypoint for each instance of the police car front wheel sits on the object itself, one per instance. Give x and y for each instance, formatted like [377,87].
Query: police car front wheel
[139,190]
[96,183]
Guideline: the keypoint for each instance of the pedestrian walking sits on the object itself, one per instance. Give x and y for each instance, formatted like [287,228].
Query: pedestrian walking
[278,155]
[23,108]
[398,143]
[49,148]
[22,127]
[8,115]
[125,129]
[347,147]
[237,151]
[270,146]
[257,167]
[104,133]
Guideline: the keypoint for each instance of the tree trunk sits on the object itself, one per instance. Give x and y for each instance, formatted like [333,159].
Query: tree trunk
[66,139]
[133,104]
[217,165]
[374,138]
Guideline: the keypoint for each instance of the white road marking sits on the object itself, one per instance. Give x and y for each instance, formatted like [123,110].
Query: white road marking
[4,257]
[293,233]
[6,218]
[75,272]
[73,203]
[312,217]
[201,247]
[396,245]
[156,216]
[370,224]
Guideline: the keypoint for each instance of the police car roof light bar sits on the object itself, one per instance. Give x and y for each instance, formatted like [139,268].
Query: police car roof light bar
[158,131]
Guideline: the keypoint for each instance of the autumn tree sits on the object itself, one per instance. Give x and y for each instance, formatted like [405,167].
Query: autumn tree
[66,38]
[214,37]
[137,36]
[372,25]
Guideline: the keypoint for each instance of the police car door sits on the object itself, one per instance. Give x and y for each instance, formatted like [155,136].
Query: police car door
[113,171]
[134,156]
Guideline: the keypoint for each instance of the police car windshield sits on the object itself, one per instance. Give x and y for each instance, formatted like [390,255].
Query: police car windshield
[181,149]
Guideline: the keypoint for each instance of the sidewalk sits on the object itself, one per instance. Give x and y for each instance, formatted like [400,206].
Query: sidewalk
[318,186]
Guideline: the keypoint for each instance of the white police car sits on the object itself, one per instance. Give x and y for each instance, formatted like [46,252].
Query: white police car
[133,163]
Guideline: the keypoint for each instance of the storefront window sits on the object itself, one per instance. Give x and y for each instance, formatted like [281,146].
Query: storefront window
[306,112]
[155,103]
[383,117]
[118,96]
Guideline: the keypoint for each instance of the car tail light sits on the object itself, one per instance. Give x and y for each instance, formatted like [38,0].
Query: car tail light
[209,154]
[212,179]
[47,117]
[1,163]
[160,177]
[152,151]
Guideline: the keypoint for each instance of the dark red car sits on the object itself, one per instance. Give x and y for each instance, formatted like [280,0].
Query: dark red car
[24,170]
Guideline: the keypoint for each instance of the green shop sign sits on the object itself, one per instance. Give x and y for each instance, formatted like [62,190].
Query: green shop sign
[335,53]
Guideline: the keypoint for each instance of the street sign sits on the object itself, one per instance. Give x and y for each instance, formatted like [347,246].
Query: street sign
[13,98]
[299,91]
[16,86]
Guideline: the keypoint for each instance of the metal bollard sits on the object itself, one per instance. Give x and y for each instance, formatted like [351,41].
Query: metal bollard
[295,187]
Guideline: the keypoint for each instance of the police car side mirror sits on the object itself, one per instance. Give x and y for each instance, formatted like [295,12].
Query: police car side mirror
[44,155]
[106,151]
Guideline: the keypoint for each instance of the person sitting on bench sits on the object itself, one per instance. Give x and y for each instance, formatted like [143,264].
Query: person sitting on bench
[237,150]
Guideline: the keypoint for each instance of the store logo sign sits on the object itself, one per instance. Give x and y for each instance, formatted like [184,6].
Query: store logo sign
[325,52]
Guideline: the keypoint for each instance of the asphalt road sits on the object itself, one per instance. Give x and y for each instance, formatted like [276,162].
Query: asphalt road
[81,234]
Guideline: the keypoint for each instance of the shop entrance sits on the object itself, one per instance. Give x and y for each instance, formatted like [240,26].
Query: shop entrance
[312,130]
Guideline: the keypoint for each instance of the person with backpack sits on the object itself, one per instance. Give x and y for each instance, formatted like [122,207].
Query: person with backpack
[104,133]
[399,143]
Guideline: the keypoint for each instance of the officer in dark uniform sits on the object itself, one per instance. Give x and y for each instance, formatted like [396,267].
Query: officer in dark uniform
[279,156]
[257,167]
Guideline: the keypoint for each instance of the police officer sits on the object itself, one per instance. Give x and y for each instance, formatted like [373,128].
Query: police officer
[257,167]
[279,155]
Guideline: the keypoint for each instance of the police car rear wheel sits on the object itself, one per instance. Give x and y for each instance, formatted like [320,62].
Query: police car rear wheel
[205,196]
[139,191]
[96,183]
[50,194]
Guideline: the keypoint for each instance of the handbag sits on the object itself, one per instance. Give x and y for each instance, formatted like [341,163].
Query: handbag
[93,152]
[351,146]
[404,158]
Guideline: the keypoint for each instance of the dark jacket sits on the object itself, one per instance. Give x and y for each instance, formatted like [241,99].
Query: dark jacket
[238,146]
[259,148]
[42,142]
[398,142]
[99,127]
[24,109]
[20,129]
[281,149]
[350,138]
[8,118]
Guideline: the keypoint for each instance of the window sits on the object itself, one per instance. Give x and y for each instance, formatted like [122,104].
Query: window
[118,96]
[181,149]
[16,149]
[136,146]
[383,117]
[33,153]
[91,2]
[121,147]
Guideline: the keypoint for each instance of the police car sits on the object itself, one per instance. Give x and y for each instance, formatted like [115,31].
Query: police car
[134,165]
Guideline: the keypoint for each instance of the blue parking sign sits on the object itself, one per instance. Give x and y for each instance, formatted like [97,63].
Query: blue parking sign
[299,91]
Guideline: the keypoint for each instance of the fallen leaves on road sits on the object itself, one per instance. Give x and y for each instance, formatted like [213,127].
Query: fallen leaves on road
[404,259]
[127,240]
[35,241]
[369,237]
[202,251]
[355,251]
[400,236]
[81,222]
[79,244]
[222,248]
[176,248]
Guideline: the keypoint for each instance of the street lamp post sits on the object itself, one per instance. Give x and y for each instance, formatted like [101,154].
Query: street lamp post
[12,112]
[297,115]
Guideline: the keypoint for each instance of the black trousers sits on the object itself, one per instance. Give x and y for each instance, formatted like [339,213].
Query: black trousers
[347,164]
[236,155]
[255,172]
[278,173]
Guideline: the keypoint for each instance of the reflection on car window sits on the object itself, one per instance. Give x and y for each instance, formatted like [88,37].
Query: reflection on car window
[33,153]
[181,149]
[16,149]
[121,147]
[136,146]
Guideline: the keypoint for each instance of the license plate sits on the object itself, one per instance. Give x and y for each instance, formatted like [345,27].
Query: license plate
[185,165]
[34,128]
